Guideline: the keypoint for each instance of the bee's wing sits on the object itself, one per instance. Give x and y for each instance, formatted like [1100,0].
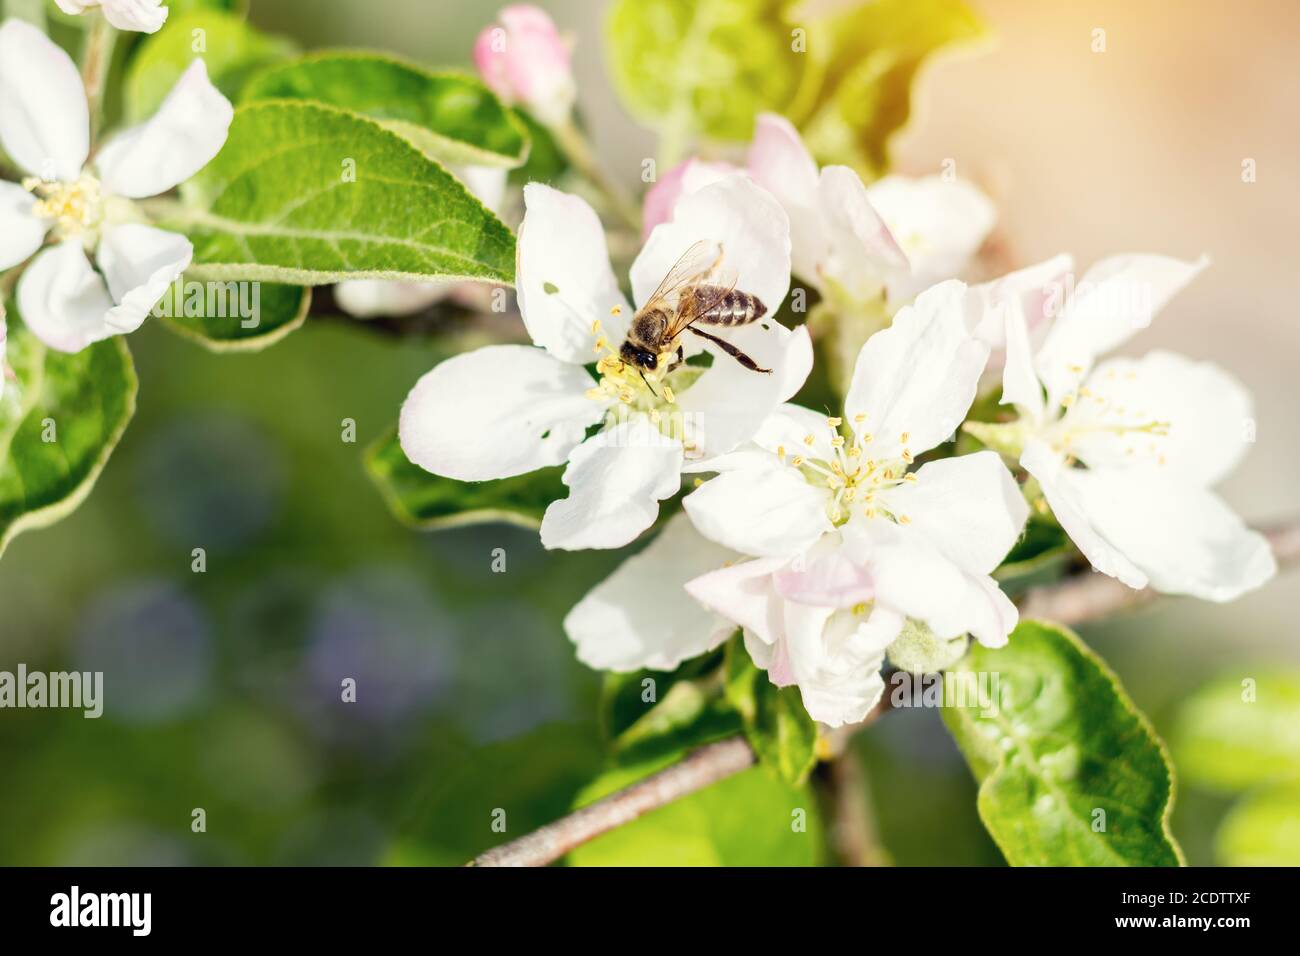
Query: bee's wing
[695,264]
[706,294]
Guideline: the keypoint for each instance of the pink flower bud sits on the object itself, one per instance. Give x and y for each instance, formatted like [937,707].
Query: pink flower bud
[523,59]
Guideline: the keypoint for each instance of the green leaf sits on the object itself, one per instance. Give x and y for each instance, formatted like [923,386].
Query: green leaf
[234,316]
[776,724]
[452,117]
[750,819]
[82,402]
[859,94]
[430,503]
[1064,746]
[309,194]
[647,714]
[1262,830]
[702,67]
[1041,556]
[232,50]
[546,162]
[1240,731]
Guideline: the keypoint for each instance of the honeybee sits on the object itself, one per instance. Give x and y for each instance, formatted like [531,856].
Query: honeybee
[694,291]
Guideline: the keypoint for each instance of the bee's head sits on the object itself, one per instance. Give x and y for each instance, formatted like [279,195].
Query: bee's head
[641,358]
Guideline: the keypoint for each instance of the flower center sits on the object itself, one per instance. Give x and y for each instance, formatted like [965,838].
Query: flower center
[851,476]
[1087,413]
[75,207]
[648,393]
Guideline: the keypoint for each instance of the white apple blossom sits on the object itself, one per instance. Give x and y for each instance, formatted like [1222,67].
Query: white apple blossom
[848,542]
[849,240]
[1126,451]
[88,210]
[142,16]
[368,298]
[509,409]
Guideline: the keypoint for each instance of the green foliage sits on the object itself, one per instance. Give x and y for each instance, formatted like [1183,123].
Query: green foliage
[857,90]
[648,714]
[209,314]
[451,117]
[429,502]
[1064,745]
[546,161]
[1240,731]
[82,404]
[308,194]
[233,51]
[1263,829]
[776,724]
[1041,556]
[702,67]
[750,819]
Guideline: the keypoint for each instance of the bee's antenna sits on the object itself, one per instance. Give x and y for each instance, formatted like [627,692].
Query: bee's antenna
[647,383]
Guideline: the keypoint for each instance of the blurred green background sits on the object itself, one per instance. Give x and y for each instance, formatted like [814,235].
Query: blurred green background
[223,687]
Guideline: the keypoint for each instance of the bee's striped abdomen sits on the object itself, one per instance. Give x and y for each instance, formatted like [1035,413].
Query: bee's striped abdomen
[715,306]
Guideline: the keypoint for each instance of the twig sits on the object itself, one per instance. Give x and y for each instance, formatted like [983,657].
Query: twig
[707,765]
[1078,599]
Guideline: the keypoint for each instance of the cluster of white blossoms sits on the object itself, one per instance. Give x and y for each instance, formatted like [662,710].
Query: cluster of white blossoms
[826,537]
[98,267]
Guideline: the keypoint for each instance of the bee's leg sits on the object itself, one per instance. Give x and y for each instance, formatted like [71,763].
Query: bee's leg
[678,359]
[731,350]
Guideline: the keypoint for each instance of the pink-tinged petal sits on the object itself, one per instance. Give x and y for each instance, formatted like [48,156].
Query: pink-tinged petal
[780,163]
[524,59]
[863,252]
[563,277]
[495,412]
[688,176]
[616,480]
[826,580]
[185,134]
[744,594]
[44,118]
[641,616]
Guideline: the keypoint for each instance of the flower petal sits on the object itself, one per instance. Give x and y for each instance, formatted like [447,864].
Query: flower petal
[729,403]
[143,16]
[688,176]
[44,119]
[188,130]
[1060,487]
[1038,289]
[863,254]
[495,412]
[1207,414]
[836,658]
[1020,385]
[744,220]
[140,262]
[768,512]
[744,594]
[63,301]
[940,225]
[641,616]
[564,280]
[780,163]
[1116,298]
[788,429]
[825,576]
[370,298]
[969,508]
[21,233]
[616,480]
[913,577]
[918,377]
[1183,537]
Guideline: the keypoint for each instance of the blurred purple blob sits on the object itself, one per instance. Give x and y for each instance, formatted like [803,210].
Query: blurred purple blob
[153,645]
[210,481]
[380,629]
